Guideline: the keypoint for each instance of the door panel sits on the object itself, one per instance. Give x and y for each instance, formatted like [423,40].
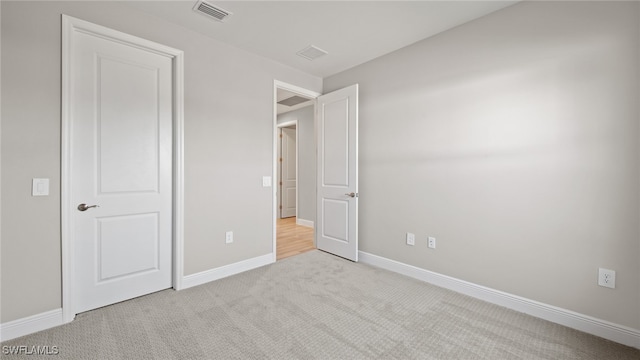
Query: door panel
[126,88]
[336,215]
[337,171]
[335,149]
[121,150]
[136,233]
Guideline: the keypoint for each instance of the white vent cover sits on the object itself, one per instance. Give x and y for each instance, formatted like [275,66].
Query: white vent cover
[312,52]
[293,101]
[211,10]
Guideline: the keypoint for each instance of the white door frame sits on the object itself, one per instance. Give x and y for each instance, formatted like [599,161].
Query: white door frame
[303,92]
[279,173]
[69,26]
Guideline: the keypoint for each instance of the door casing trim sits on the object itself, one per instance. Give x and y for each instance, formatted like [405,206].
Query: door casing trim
[70,25]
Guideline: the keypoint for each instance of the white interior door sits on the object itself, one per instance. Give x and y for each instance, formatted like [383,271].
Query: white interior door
[288,174]
[337,172]
[121,162]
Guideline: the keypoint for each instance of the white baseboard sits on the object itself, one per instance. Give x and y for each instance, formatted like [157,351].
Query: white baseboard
[614,332]
[303,222]
[30,324]
[224,271]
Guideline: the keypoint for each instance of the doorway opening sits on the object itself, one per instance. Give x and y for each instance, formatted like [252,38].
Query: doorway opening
[294,170]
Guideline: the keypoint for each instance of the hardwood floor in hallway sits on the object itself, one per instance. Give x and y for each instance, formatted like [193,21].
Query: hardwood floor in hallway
[292,239]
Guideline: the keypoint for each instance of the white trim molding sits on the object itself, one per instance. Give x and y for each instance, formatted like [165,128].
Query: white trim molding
[225,271]
[614,332]
[178,169]
[31,324]
[70,26]
[303,222]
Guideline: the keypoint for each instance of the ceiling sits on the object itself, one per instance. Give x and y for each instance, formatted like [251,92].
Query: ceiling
[352,32]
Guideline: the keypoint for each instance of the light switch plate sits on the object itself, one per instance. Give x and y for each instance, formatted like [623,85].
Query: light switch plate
[266,181]
[40,187]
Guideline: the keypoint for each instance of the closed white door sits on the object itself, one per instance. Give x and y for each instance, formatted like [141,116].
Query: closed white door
[121,163]
[337,172]
[288,173]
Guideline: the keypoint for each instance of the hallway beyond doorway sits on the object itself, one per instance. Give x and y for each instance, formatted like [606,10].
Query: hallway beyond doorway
[292,239]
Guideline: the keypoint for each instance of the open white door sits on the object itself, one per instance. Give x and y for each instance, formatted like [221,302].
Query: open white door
[337,173]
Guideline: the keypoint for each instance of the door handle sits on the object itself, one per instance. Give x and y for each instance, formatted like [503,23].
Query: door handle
[352,194]
[84,207]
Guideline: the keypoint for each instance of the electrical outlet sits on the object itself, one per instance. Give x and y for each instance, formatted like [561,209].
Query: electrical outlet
[607,278]
[411,239]
[431,242]
[228,237]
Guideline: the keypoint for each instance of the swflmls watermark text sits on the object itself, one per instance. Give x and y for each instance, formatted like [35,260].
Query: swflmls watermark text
[30,350]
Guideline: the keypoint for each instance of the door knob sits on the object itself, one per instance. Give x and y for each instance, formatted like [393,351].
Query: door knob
[352,194]
[84,207]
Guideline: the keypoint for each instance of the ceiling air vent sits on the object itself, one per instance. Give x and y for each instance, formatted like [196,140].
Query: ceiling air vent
[311,52]
[292,101]
[211,11]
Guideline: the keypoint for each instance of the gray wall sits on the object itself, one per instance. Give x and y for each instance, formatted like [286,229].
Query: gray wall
[228,145]
[306,160]
[514,140]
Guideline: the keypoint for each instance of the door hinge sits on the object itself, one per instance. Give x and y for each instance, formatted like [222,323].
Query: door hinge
[280,159]
[280,183]
[280,207]
[280,136]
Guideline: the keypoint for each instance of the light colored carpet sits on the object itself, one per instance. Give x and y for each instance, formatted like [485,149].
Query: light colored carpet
[316,306]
